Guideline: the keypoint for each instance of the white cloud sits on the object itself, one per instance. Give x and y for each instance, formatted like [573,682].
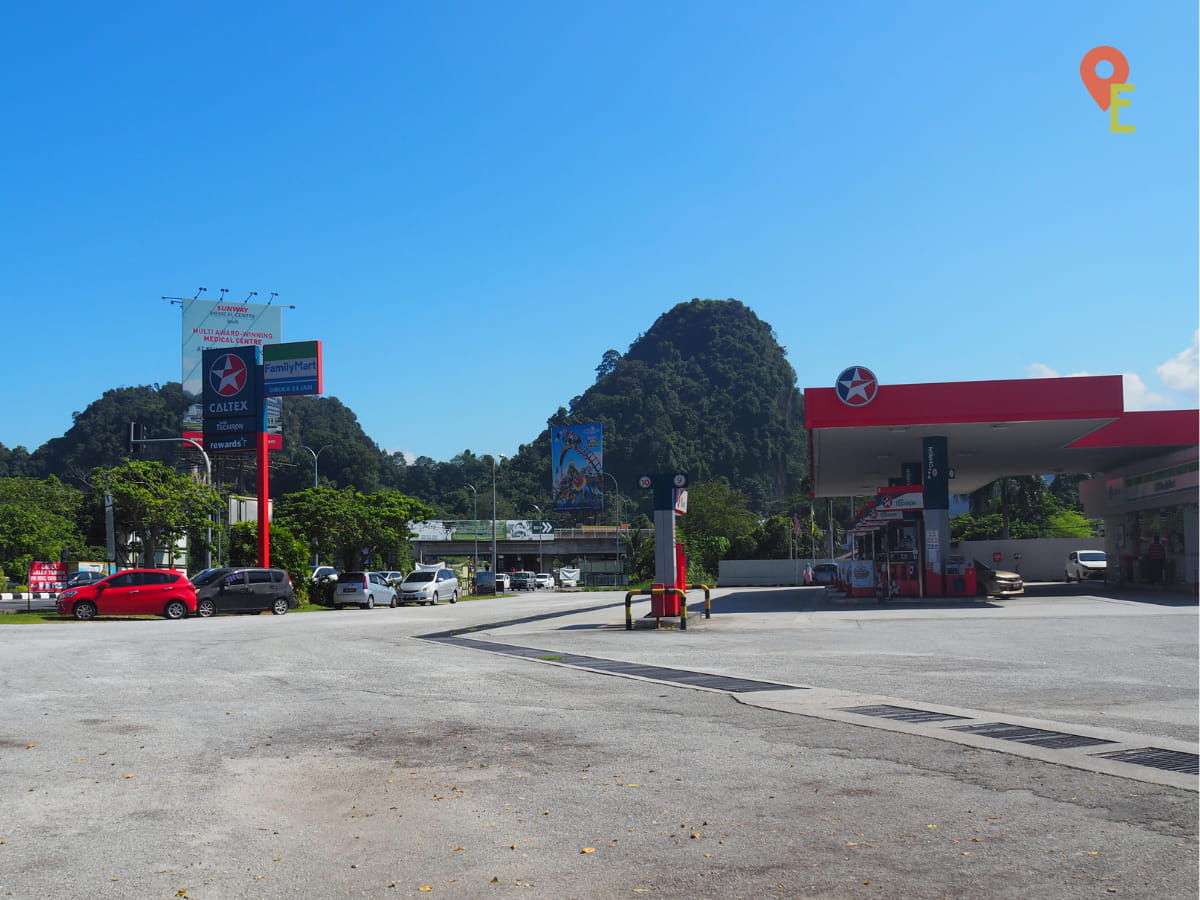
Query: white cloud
[1137,395]
[1181,372]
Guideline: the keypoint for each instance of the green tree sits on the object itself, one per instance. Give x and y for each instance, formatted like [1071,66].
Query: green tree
[350,527]
[38,521]
[155,503]
[1065,523]
[288,552]
[718,525]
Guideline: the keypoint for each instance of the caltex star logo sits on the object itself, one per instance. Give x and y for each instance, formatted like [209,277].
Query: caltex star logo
[857,386]
[228,375]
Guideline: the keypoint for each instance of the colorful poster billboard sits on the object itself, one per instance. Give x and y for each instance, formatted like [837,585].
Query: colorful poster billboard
[577,466]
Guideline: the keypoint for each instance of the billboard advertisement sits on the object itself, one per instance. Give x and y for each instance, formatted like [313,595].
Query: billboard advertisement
[577,466]
[212,325]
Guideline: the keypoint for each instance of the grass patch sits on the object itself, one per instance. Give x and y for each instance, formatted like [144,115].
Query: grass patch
[552,658]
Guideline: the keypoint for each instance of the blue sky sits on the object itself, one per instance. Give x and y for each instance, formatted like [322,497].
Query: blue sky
[470,202]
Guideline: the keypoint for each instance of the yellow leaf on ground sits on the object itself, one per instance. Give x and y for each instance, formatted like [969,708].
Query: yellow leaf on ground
[588,850]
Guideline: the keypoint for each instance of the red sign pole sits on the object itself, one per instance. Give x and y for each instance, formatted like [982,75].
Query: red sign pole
[264,502]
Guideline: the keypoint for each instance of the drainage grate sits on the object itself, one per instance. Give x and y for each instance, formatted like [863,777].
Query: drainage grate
[1055,740]
[615,667]
[901,713]
[1168,760]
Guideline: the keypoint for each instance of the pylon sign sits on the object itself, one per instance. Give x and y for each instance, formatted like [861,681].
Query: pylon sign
[232,398]
[666,488]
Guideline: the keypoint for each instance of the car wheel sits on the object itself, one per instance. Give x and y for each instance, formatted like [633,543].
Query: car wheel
[206,608]
[280,606]
[84,610]
[175,610]
[370,604]
[454,597]
[433,601]
[392,605]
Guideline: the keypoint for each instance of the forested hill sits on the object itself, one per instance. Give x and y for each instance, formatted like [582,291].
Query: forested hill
[707,391]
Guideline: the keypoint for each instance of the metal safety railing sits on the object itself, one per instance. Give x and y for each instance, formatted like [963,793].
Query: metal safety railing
[650,592]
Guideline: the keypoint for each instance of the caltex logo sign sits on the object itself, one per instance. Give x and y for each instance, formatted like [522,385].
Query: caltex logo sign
[857,386]
[228,375]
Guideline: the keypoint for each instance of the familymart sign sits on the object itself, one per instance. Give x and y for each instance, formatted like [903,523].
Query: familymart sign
[292,369]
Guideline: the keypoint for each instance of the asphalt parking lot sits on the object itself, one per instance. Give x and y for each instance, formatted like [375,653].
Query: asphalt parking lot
[391,753]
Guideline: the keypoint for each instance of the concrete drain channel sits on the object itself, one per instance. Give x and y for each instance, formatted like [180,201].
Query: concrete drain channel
[1114,753]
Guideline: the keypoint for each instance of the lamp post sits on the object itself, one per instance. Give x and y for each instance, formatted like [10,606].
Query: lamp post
[316,454]
[475,529]
[207,480]
[541,536]
[495,458]
[617,515]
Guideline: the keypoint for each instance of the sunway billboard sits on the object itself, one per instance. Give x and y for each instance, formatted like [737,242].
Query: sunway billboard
[209,325]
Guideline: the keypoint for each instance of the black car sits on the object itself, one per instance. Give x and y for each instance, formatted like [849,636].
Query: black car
[84,576]
[523,581]
[243,590]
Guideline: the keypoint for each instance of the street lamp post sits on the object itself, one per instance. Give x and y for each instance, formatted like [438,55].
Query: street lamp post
[475,529]
[207,480]
[495,458]
[316,454]
[617,515]
[541,536]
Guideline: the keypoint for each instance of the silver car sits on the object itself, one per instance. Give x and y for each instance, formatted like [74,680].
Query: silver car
[363,589]
[429,586]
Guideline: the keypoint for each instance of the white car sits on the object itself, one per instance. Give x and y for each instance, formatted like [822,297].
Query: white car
[429,587]
[543,580]
[363,589]
[1083,565]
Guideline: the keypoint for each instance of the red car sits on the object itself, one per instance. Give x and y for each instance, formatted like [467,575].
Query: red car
[134,592]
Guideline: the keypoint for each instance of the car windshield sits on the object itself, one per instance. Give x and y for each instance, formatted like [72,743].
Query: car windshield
[208,576]
[1094,556]
[351,578]
[416,577]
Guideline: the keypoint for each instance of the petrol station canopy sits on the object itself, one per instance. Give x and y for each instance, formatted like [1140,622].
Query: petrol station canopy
[862,432]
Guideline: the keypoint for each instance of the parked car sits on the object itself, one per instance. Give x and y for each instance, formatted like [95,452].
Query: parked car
[393,578]
[991,582]
[1083,565]
[84,576]
[825,573]
[243,590]
[523,581]
[543,580]
[134,592]
[490,582]
[429,586]
[363,589]
[317,574]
